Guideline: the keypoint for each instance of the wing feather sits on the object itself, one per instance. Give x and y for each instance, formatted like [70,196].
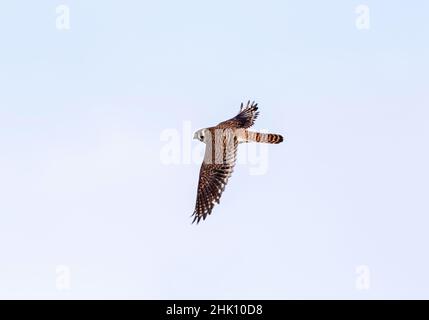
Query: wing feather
[244,119]
[213,179]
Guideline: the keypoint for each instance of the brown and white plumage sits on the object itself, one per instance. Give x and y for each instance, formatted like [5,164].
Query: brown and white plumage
[244,119]
[221,153]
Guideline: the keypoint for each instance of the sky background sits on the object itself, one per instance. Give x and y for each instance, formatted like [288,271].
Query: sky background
[83,185]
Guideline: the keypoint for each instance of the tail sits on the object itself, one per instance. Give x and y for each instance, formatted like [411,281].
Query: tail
[263,137]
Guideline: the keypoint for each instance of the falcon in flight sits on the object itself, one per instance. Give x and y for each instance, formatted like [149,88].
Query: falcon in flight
[221,153]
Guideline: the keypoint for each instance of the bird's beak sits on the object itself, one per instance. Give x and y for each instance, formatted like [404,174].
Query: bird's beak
[195,136]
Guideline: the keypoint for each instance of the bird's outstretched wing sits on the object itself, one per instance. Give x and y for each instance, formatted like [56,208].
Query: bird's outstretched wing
[214,176]
[245,118]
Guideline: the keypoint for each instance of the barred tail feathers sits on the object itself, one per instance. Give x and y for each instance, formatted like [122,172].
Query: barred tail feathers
[263,137]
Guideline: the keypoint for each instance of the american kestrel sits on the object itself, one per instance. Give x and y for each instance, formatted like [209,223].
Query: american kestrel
[221,153]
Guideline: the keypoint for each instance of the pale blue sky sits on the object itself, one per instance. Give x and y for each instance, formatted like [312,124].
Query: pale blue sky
[82,184]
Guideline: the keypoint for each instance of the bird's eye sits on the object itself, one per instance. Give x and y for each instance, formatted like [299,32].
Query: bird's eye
[201,137]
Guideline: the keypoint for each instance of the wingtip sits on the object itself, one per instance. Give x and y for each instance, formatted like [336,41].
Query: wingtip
[198,217]
[196,220]
[249,105]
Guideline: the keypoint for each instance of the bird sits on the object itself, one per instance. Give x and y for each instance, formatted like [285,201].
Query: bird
[220,155]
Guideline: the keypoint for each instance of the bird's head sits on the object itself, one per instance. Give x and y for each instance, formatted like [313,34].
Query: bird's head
[201,135]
